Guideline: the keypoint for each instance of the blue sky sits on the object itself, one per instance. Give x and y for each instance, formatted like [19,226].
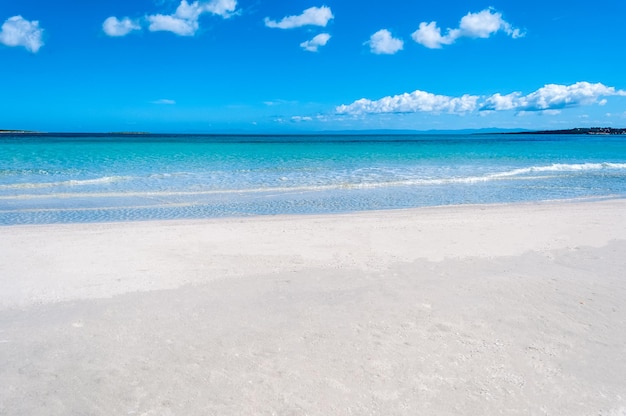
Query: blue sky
[299,65]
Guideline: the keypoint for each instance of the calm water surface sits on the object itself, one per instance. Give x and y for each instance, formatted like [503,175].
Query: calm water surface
[87,178]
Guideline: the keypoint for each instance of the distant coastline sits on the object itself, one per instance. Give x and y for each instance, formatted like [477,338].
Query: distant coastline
[577,130]
[112,133]
[16,132]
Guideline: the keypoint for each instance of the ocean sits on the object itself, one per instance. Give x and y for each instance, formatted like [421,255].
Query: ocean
[69,178]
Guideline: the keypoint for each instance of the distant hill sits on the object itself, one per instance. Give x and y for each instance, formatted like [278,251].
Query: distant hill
[578,130]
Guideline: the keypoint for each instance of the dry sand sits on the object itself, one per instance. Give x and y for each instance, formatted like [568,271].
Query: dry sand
[472,310]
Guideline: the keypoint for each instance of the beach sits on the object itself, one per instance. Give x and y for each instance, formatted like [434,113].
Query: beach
[513,309]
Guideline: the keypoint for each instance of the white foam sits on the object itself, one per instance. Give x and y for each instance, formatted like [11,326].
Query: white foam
[515,174]
[72,182]
[562,167]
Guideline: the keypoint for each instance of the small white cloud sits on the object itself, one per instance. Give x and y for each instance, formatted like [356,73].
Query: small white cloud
[223,8]
[473,25]
[603,101]
[314,44]
[183,22]
[382,42]
[484,24]
[169,23]
[164,101]
[298,119]
[313,16]
[429,35]
[279,102]
[417,101]
[17,31]
[115,27]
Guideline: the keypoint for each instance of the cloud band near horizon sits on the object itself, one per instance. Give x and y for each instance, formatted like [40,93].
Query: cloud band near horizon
[549,98]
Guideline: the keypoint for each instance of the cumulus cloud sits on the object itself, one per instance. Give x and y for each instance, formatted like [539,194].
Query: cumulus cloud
[115,27]
[314,44]
[550,100]
[183,22]
[174,24]
[17,31]
[485,23]
[313,16]
[473,25]
[223,8]
[416,101]
[429,35]
[552,97]
[382,42]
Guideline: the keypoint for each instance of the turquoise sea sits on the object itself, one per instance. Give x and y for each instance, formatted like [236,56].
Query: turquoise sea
[93,178]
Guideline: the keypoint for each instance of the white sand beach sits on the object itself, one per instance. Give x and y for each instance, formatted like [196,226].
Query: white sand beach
[466,310]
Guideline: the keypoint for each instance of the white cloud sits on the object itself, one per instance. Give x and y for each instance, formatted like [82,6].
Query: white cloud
[115,27]
[184,21]
[174,24]
[223,8]
[549,100]
[313,16]
[17,31]
[552,97]
[473,25]
[164,101]
[429,35]
[485,23]
[382,42]
[417,101]
[298,119]
[314,44]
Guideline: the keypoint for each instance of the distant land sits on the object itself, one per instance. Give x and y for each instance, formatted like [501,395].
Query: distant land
[16,132]
[287,133]
[577,130]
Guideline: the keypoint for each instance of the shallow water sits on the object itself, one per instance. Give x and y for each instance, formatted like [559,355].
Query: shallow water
[86,178]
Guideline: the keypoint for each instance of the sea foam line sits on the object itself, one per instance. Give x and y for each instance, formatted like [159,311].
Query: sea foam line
[515,174]
[282,189]
[71,182]
[561,167]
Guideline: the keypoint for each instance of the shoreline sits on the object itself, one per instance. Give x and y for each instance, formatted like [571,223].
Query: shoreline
[584,199]
[481,309]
